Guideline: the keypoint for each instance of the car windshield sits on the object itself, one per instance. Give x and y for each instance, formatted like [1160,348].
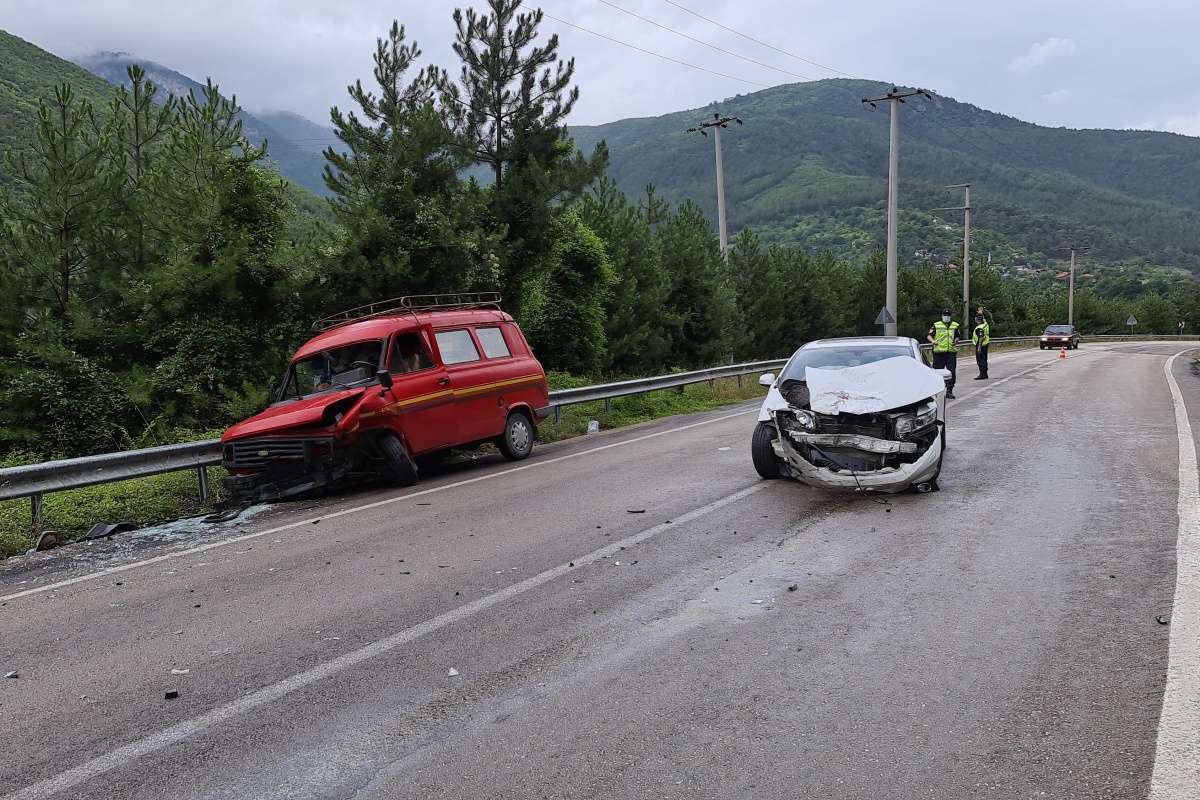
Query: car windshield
[336,368]
[1060,329]
[851,355]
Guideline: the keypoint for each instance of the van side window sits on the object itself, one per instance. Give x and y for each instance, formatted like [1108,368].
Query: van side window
[409,354]
[457,347]
[493,342]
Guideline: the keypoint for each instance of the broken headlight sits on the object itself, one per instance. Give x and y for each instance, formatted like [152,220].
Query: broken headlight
[925,416]
[796,420]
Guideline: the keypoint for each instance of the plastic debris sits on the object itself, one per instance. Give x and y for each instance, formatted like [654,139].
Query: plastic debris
[47,541]
[593,426]
[102,530]
[756,602]
[170,694]
[13,674]
[723,449]
[180,671]
[793,587]
[452,673]
[1163,619]
[635,511]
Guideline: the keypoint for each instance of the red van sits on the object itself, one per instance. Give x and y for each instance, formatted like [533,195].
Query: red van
[383,384]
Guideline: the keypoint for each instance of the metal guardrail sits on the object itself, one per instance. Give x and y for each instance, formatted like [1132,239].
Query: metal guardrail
[35,480]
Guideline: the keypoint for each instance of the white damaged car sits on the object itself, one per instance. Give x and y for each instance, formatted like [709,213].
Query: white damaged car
[864,414]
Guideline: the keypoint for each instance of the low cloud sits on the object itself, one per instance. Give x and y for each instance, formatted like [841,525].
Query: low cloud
[1057,97]
[1042,53]
[1187,124]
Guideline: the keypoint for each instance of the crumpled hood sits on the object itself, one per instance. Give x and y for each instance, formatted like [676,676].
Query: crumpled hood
[870,388]
[306,411]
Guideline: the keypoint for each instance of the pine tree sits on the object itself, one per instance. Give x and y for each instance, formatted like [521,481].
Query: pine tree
[509,113]
[410,225]
[55,216]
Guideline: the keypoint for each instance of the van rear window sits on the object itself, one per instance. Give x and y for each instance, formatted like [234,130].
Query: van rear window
[456,347]
[493,342]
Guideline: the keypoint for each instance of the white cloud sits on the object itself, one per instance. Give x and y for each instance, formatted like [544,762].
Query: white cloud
[1187,124]
[1041,53]
[1057,97]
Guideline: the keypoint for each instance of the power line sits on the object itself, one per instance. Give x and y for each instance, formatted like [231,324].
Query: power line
[656,55]
[757,41]
[706,44]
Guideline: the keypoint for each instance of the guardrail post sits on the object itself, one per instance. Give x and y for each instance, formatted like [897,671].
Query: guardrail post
[202,480]
[35,512]
[739,380]
[608,405]
[558,415]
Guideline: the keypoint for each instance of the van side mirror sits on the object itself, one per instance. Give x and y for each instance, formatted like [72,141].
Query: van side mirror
[385,378]
[766,379]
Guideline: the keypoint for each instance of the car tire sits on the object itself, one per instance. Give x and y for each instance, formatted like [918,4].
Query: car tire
[401,469]
[766,463]
[516,442]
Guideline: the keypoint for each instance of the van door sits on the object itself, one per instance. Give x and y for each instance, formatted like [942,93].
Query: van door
[422,399]
[471,377]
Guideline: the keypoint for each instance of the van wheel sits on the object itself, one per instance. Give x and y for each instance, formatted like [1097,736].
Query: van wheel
[762,453]
[516,442]
[401,469]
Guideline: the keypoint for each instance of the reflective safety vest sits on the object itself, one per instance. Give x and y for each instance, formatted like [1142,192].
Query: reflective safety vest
[981,335]
[944,336]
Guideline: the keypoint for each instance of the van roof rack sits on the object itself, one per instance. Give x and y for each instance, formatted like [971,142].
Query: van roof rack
[410,304]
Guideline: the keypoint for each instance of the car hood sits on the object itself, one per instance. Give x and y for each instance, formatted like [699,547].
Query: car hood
[305,411]
[865,389]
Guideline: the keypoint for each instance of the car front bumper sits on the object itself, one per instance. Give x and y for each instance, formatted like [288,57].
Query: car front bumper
[888,480]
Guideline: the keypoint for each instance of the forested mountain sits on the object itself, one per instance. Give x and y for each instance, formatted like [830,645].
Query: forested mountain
[809,168]
[27,74]
[299,161]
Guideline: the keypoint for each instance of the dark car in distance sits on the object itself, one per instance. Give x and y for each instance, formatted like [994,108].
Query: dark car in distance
[1059,336]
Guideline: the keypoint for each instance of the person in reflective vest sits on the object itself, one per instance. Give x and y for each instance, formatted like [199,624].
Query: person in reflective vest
[944,335]
[980,337]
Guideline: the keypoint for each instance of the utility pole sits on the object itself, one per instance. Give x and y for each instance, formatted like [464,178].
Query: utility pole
[1071,286]
[895,97]
[966,209]
[716,124]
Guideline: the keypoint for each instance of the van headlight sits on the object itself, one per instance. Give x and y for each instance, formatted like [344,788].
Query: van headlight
[924,416]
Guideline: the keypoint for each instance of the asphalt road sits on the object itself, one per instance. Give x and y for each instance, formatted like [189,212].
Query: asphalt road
[734,638]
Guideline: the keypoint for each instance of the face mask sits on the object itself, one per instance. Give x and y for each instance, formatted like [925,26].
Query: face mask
[945,317]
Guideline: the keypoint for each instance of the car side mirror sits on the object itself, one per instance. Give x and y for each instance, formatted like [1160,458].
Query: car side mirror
[385,378]
[946,376]
[766,379]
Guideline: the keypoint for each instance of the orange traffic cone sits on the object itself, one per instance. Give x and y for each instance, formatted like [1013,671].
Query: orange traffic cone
[1062,354]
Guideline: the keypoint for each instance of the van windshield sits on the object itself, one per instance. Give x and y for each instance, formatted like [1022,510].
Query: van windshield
[337,368]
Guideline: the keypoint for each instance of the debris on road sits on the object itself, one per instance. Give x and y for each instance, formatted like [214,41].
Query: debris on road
[593,426]
[226,515]
[793,587]
[13,674]
[723,449]
[1163,619]
[105,530]
[633,511]
[756,602]
[47,541]
[180,671]
[170,694]
[452,673]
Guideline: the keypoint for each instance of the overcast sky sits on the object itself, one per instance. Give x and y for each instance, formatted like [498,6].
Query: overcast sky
[1078,63]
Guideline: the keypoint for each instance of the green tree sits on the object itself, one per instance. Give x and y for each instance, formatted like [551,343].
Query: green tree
[508,111]
[54,216]
[409,225]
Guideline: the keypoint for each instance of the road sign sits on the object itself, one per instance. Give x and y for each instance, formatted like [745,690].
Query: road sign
[885,317]
[1132,320]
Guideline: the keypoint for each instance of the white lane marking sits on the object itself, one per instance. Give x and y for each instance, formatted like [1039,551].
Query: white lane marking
[378,503]
[197,726]
[1176,773]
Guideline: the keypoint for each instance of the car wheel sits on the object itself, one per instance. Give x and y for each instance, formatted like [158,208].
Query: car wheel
[401,469]
[516,442]
[762,453]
